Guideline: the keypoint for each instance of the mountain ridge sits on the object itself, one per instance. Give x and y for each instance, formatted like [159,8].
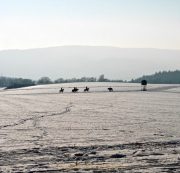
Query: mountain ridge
[87,46]
[78,61]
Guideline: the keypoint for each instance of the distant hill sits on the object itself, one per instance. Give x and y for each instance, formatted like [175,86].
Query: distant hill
[79,61]
[165,77]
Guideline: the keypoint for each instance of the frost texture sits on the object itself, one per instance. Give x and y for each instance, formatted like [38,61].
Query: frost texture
[125,130]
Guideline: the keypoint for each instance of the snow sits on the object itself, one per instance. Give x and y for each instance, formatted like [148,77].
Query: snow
[126,130]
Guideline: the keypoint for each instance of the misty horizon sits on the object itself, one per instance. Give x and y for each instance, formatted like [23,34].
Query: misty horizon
[90,61]
[88,46]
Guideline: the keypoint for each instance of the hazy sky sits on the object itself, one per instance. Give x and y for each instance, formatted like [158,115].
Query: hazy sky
[28,24]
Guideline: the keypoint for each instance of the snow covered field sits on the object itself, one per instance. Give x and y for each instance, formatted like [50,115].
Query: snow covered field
[128,130]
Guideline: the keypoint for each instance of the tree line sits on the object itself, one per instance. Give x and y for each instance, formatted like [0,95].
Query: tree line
[19,82]
[164,77]
[7,82]
[47,80]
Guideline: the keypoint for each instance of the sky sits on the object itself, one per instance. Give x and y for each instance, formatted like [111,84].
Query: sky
[27,24]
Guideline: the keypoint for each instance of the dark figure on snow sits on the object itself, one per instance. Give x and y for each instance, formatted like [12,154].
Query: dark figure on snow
[75,89]
[110,89]
[61,90]
[86,89]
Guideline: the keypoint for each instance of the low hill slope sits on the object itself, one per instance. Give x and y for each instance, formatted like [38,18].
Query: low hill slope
[170,77]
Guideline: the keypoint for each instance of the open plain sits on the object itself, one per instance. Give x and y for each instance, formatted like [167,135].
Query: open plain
[127,130]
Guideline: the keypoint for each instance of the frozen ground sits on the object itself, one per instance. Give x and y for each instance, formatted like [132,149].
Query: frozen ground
[127,130]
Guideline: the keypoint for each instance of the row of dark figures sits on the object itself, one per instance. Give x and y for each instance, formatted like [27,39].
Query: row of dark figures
[75,89]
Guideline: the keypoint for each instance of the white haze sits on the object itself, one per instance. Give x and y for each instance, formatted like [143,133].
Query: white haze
[88,61]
